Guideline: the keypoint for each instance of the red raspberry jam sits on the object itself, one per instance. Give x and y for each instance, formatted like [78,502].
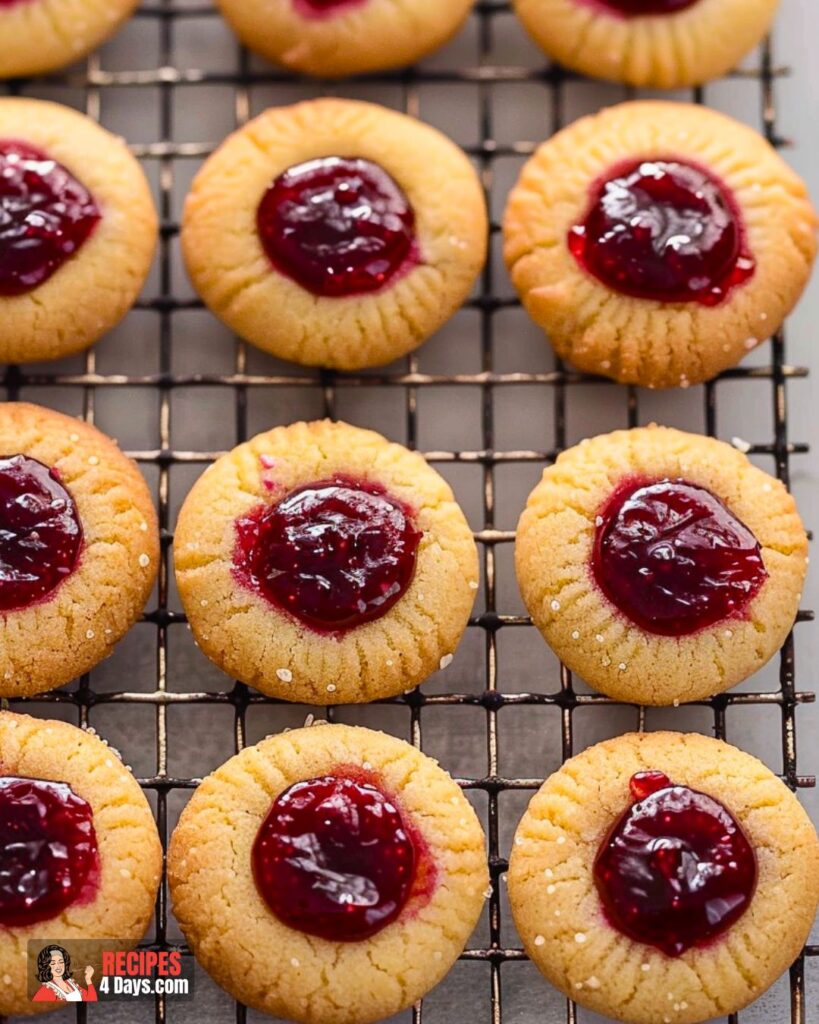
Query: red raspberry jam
[663,230]
[325,8]
[673,558]
[45,216]
[635,8]
[50,857]
[40,532]
[676,870]
[335,554]
[334,858]
[337,226]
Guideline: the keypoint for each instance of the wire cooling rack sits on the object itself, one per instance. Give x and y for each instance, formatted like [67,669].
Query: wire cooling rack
[500,637]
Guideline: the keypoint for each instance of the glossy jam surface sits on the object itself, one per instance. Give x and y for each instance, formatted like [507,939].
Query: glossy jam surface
[49,850]
[673,558]
[40,532]
[334,858]
[337,226]
[677,869]
[325,8]
[335,554]
[45,216]
[635,8]
[663,230]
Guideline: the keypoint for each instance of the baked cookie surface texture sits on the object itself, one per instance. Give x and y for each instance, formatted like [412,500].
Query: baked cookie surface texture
[664,44]
[660,566]
[321,563]
[664,877]
[85,860]
[78,230]
[658,243]
[334,38]
[335,233]
[42,35]
[79,548]
[329,875]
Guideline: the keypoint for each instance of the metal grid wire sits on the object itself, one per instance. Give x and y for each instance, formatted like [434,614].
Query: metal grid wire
[165,152]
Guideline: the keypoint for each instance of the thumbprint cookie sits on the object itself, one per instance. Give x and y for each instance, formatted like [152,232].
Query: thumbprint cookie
[78,230]
[81,853]
[329,875]
[661,566]
[658,243]
[335,233]
[663,44]
[42,35]
[322,564]
[664,877]
[334,38]
[79,548]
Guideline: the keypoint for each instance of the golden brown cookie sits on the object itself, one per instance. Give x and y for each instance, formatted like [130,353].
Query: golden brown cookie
[637,822]
[665,44]
[78,228]
[660,566]
[41,35]
[83,831]
[320,563]
[79,548]
[329,875]
[335,233]
[657,243]
[334,38]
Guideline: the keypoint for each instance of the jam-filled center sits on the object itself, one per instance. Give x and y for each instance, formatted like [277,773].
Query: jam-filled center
[673,558]
[45,216]
[335,554]
[325,8]
[635,8]
[49,858]
[677,869]
[338,226]
[40,532]
[663,230]
[334,858]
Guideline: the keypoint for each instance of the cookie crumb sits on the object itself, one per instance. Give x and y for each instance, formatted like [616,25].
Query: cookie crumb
[285,675]
[539,940]
[741,445]
[446,660]
[473,584]
[598,521]
[750,343]
[593,982]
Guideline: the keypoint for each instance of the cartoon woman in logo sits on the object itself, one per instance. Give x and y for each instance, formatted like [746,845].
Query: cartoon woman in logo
[54,971]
